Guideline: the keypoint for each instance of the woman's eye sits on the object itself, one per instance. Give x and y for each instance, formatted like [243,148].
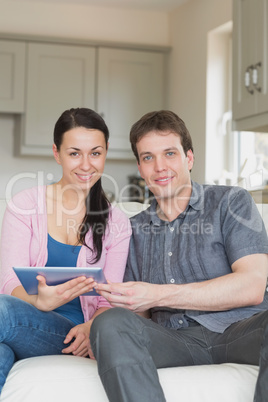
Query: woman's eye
[74,154]
[95,153]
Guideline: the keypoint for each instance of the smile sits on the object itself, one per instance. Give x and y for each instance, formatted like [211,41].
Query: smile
[164,180]
[84,177]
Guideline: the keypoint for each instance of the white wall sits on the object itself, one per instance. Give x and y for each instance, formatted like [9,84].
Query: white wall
[190,25]
[79,22]
[218,114]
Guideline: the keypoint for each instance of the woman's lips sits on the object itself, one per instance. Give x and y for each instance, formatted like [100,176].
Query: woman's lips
[84,177]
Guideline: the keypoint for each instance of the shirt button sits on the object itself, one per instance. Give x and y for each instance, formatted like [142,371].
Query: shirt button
[170,253]
[172,280]
[180,322]
[267,289]
[171,229]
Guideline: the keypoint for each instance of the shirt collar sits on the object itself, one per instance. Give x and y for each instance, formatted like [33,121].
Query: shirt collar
[196,202]
[197,197]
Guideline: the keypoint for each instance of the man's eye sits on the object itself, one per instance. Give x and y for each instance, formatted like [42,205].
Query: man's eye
[147,158]
[171,153]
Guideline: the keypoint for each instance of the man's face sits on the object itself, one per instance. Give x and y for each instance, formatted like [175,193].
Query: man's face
[164,165]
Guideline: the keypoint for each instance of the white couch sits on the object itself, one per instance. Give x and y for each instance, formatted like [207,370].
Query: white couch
[70,378]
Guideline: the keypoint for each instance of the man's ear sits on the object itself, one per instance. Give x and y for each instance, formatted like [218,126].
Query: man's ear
[139,169]
[190,157]
[56,154]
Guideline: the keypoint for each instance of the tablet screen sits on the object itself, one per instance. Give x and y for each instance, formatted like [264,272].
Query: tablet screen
[56,275]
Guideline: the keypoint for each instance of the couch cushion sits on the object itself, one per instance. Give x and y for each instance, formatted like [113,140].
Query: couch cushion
[131,208]
[70,378]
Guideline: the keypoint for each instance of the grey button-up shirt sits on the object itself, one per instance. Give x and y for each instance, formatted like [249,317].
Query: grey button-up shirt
[220,225]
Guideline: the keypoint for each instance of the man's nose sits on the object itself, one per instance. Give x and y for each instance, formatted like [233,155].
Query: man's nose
[160,164]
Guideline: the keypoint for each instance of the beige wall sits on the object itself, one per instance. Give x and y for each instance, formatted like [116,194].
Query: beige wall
[185,30]
[190,25]
[80,21]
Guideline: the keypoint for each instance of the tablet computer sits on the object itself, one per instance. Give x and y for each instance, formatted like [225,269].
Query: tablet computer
[56,275]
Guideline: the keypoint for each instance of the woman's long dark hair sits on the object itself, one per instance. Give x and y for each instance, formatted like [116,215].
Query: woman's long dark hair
[97,205]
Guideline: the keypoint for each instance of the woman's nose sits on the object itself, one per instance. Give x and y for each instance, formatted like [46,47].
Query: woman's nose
[85,163]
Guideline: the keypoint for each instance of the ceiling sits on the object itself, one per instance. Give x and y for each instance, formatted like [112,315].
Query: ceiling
[161,5]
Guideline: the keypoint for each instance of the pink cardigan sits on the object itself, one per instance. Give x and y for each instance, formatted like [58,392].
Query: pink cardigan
[24,243]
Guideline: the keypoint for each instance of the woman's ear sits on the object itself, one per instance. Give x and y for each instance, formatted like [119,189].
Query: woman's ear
[56,153]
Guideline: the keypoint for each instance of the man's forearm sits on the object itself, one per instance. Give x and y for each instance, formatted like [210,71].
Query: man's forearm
[243,287]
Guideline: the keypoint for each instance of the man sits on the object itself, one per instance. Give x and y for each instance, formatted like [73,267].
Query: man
[197,268]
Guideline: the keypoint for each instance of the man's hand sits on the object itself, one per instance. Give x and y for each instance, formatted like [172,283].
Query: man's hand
[135,296]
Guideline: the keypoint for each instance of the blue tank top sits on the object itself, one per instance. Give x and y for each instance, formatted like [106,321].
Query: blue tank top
[65,255]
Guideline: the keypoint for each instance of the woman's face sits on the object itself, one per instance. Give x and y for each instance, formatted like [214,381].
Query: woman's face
[82,157]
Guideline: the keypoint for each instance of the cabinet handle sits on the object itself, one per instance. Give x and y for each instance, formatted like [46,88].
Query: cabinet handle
[248,79]
[255,76]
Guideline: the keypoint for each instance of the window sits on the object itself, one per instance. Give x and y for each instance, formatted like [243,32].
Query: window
[231,157]
[253,159]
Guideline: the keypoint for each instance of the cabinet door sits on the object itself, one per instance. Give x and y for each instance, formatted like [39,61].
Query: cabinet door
[250,53]
[130,84]
[12,76]
[59,77]
[244,56]
[261,46]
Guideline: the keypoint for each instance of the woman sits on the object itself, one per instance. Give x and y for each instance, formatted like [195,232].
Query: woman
[69,223]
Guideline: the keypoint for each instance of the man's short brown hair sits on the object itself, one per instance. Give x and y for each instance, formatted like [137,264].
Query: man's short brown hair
[161,121]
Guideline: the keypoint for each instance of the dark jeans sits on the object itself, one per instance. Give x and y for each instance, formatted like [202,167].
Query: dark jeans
[130,348]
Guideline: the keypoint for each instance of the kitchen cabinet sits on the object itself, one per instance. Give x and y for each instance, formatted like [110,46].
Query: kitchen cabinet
[130,84]
[120,84]
[59,77]
[250,65]
[12,76]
